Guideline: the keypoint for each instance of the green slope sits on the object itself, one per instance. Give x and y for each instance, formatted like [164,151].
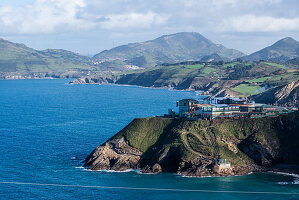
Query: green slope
[20,58]
[264,141]
[244,79]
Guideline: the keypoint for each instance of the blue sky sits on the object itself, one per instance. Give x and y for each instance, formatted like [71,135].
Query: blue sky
[90,26]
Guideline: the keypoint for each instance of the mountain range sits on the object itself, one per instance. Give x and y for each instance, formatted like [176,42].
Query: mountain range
[167,49]
[185,46]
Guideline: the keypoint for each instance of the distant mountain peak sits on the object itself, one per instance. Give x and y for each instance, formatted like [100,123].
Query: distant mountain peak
[176,47]
[281,51]
[286,40]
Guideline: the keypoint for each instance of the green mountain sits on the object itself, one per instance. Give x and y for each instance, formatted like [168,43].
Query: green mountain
[281,51]
[18,58]
[165,49]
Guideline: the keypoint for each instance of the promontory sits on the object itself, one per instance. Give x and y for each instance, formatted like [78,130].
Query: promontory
[201,147]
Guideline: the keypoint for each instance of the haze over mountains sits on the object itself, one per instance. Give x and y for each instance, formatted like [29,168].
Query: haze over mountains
[281,51]
[185,46]
[167,49]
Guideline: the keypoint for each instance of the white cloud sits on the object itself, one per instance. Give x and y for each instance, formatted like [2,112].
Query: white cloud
[52,16]
[133,20]
[124,21]
[251,23]
[43,16]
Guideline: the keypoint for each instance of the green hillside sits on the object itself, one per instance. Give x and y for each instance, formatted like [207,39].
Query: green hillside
[241,78]
[190,147]
[22,59]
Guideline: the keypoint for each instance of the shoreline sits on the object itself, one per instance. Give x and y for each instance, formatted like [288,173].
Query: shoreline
[128,85]
[138,171]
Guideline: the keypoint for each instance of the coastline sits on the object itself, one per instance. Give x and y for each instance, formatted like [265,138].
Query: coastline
[139,171]
[166,147]
[152,87]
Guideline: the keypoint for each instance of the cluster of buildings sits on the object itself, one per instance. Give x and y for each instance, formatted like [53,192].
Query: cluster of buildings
[224,108]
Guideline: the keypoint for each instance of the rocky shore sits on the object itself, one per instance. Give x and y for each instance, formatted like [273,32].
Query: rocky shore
[157,145]
[117,155]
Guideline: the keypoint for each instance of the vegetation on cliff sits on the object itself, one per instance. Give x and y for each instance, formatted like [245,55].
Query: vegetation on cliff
[186,147]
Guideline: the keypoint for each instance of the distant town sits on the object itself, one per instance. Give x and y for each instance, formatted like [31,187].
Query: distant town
[224,108]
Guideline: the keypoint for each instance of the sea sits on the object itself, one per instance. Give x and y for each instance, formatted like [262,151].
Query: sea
[48,127]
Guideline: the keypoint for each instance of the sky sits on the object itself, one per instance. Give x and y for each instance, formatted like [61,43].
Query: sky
[91,26]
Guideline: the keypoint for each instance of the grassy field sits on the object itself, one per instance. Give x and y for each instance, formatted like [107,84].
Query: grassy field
[199,66]
[208,70]
[259,80]
[276,65]
[246,89]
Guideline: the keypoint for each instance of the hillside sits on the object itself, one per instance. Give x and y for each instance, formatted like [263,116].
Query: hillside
[185,147]
[165,49]
[20,60]
[287,95]
[281,51]
[216,78]
[294,61]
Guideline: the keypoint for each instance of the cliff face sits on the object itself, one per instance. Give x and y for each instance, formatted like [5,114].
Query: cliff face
[287,95]
[191,148]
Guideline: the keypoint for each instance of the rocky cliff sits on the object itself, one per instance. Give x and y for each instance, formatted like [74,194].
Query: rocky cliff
[286,95]
[191,148]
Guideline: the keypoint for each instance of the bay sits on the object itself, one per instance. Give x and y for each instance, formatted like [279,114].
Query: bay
[45,123]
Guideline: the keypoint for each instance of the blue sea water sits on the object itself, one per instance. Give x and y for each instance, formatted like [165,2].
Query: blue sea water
[44,123]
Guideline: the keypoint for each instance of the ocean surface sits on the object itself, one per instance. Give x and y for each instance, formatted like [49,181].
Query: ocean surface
[48,127]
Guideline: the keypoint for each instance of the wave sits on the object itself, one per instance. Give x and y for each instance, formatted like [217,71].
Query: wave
[295,182]
[140,172]
[109,170]
[286,174]
[113,171]
[80,167]
[190,176]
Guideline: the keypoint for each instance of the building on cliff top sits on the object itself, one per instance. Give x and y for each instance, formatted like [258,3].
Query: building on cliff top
[225,107]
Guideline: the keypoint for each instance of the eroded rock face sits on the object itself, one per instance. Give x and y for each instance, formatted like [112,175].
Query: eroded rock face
[119,156]
[287,95]
[114,155]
